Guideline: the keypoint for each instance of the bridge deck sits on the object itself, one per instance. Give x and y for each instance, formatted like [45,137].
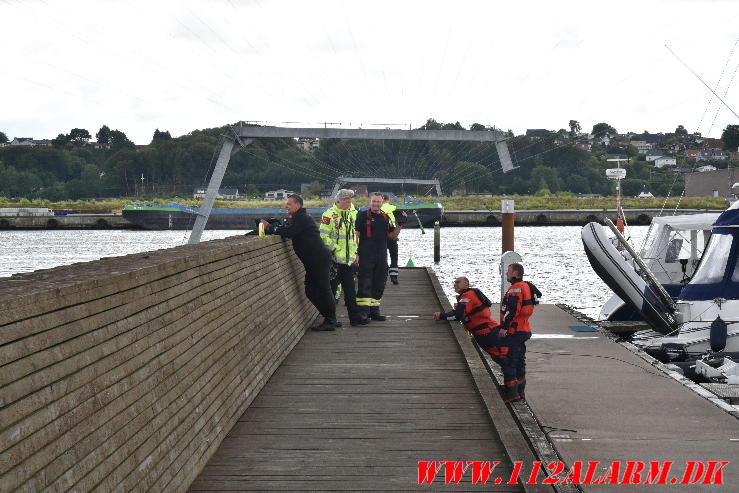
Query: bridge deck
[356,409]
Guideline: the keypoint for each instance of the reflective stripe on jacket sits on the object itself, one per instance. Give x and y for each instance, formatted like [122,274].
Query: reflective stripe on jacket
[338,232]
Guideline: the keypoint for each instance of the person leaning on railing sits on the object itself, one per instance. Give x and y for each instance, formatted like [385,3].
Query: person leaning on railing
[314,255]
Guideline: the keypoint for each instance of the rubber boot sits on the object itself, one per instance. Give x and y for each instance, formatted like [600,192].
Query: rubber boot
[522,388]
[510,393]
[394,279]
[375,314]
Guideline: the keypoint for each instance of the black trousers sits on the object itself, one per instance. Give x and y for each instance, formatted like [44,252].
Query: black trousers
[392,248]
[517,355]
[372,274]
[345,277]
[318,285]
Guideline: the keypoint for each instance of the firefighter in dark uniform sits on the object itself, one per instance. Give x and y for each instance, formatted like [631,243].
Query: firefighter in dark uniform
[473,310]
[374,228]
[518,305]
[314,255]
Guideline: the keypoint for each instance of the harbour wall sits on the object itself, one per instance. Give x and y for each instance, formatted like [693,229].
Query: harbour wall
[125,374]
[564,217]
[71,221]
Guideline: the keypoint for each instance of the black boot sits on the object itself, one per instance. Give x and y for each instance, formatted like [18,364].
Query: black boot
[356,317]
[327,325]
[510,392]
[522,388]
[375,314]
[394,279]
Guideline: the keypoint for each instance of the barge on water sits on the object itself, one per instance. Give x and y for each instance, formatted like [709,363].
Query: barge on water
[179,217]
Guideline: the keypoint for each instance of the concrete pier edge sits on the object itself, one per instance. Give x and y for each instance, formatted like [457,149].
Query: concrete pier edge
[686,382]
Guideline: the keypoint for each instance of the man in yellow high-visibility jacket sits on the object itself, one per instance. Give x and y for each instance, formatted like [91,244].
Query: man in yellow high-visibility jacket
[338,232]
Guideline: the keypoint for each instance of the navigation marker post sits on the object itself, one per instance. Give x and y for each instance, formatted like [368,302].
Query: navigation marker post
[618,174]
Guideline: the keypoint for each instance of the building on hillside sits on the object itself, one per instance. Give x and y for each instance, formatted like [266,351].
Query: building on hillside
[280,194]
[223,193]
[717,183]
[692,154]
[653,154]
[709,143]
[641,145]
[29,141]
[538,133]
[585,145]
[705,168]
[711,155]
[663,161]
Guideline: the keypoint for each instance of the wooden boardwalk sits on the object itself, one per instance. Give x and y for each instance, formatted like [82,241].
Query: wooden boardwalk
[356,409]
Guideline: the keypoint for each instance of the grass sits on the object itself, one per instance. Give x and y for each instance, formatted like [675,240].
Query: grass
[522,202]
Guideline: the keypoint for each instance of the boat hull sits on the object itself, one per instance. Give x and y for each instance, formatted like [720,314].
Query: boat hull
[624,281]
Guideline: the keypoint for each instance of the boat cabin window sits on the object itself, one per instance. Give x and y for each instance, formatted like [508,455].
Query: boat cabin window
[673,250]
[712,266]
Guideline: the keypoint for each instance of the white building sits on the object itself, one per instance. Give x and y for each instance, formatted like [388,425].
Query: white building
[641,145]
[29,141]
[711,155]
[277,194]
[663,161]
[223,193]
[705,168]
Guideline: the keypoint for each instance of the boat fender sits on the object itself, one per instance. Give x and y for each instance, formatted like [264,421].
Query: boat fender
[718,335]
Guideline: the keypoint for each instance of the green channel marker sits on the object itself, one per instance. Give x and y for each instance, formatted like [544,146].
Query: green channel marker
[410,263]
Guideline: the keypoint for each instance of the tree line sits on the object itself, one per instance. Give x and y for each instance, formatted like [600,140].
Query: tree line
[78,166]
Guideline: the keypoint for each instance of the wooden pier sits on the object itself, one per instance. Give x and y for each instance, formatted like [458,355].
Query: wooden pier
[357,409]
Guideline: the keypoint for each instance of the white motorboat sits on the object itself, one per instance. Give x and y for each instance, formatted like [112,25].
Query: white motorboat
[671,251]
[708,304]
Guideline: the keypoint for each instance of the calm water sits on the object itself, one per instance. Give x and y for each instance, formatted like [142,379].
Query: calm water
[553,256]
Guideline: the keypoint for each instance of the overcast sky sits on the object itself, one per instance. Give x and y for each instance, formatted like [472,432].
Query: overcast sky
[179,66]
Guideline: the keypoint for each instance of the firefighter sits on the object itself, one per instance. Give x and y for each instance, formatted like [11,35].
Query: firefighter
[392,245]
[518,305]
[374,230]
[314,255]
[473,310]
[339,233]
